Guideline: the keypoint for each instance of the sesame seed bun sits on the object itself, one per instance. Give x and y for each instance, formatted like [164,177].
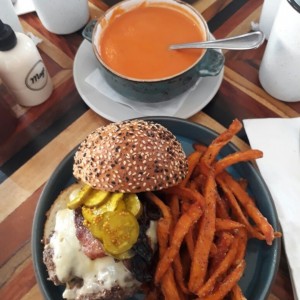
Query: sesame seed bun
[131,156]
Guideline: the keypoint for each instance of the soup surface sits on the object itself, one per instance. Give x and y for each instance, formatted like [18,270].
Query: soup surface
[136,43]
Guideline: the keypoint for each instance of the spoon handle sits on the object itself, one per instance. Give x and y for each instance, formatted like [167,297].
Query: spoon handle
[246,41]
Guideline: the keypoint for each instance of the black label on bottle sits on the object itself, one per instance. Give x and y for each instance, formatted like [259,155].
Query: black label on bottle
[37,77]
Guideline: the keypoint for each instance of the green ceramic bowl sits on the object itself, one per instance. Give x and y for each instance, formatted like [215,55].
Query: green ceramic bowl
[210,63]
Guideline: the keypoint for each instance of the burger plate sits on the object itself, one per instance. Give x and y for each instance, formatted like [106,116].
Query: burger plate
[262,260]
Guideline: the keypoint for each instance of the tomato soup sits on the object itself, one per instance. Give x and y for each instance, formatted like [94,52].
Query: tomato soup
[136,43]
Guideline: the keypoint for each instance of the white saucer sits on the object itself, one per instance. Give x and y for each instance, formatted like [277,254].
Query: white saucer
[85,63]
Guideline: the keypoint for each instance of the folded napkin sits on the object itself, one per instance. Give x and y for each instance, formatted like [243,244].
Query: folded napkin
[279,139]
[166,108]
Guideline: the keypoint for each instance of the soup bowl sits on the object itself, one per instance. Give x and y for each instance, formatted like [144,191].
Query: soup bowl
[172,79]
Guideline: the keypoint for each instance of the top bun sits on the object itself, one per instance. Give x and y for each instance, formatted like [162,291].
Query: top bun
[130,157]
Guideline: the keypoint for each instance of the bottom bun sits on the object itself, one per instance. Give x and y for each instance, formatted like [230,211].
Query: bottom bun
[84,278]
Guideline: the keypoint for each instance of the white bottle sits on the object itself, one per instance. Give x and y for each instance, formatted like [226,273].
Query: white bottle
[22,69]
[279,72]
[268,14]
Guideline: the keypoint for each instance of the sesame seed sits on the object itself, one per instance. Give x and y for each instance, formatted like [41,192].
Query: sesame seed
[125,149]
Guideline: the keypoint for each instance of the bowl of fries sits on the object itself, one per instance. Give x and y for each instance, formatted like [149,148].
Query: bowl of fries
[218,235]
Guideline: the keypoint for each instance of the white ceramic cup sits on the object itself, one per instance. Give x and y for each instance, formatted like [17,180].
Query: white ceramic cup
[62,16]
[9,16]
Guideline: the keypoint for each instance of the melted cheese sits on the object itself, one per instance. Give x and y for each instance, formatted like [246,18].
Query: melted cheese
[152,235]
[71,262]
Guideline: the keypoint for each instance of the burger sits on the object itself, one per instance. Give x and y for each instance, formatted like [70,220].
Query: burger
[100,234]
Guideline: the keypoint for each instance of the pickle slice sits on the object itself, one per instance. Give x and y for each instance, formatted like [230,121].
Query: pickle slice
[92,215]
[95,198]
[80,198]
[133,204]
[96,226]
[121,231]
[96,230]
[111,203]
[121,205]
[74,194]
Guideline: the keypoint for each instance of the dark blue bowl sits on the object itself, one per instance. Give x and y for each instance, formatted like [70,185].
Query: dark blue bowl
[161,90]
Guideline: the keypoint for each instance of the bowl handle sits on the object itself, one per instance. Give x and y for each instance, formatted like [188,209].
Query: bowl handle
[87,32]
[211,64]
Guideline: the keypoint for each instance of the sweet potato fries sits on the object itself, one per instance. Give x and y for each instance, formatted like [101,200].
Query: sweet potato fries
[206,222]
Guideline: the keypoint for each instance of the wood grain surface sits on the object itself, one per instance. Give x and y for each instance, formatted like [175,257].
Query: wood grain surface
[46,133]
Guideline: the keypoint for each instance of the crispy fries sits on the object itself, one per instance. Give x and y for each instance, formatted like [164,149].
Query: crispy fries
[189,239]
[227,224]
[168,286]
[242,239]
[205,237]
[193,160]
[237,293]
[248,204]
[236,157]
[228,283]
[206,222]
[237,210]
[182,227]
[186,194]
[175,208]
[215,147]
[164,224]
[220,270]
[179,275]
[223,243]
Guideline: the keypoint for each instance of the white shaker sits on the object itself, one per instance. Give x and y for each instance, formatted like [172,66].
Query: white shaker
[9,16]
[279,73]
[22,69]
[267,16]
[62,16]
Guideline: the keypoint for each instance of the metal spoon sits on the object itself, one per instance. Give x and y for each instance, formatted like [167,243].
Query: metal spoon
[246,41]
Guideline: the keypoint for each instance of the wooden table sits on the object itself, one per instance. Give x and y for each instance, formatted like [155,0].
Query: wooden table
[46,133]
